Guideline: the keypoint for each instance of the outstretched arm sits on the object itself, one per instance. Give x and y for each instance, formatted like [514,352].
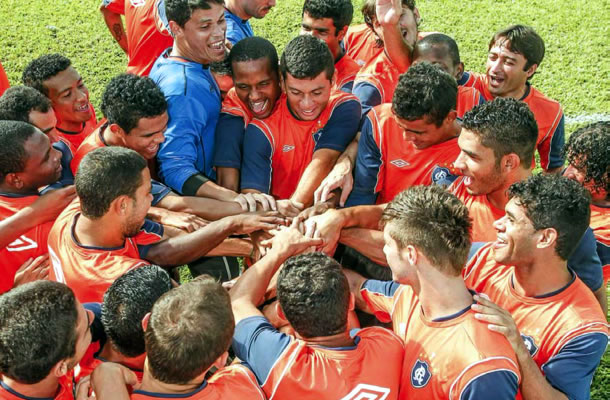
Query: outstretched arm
[399,31]
[115,25]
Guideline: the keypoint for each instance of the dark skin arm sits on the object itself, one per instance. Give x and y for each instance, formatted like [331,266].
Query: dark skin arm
[228,178]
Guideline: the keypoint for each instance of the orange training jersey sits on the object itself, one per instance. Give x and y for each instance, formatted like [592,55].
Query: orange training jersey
[346,70]
[234,106]
[234,382]
[89,270]
[565,331]
[31,244]
[600,223]
[289,368]
[280,147]
[467,98]
[4,83]
[548,114]
[65,391]
[376,81]
[76,138]
[91,142]
[361,44]
[387,164]
[445,357]
[482,212]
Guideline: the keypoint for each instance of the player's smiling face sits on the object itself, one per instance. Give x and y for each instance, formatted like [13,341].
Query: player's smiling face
[422,133]
[46,122]
[257,85]
[516,236]
[307,98]
[325,30]
[146,137]
[69,96]
[43,163]
[478,165]
[202,38]
[506,71]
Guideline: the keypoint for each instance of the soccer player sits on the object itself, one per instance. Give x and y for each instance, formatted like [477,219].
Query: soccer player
[113,187]
[412,141]
[548,315]
[328,21]
[221,71]
[442,50]
[588,156]
[377,79]
[515,53]
[292,150]
[27,163]
[44,332]
[126,303]
[238,14]
[323,360]
[361,43]
[54,76]
[147,31]
[256,88]
[448,352]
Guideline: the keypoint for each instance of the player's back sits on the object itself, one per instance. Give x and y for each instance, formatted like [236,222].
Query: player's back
[65,391]
[361,44]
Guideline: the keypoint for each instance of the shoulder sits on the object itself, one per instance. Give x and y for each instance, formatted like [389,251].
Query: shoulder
[540,104]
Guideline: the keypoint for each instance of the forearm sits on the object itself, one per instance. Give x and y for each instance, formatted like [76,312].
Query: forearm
[362,216]
[233,247]
[211,190]
[16,225]
[350,153]
[319,167]
[534,385]
[398,50]
[115,26]
[250,288]
[228,178]
[206,208]
[369,242]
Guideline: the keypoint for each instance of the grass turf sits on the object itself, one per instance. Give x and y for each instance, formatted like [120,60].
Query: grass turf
[575,69]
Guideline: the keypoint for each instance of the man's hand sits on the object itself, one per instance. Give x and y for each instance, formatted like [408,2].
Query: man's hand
[48,206]
[183,221]
[388,12]
[291,241]
[289,208]
[32,270]
[248,201]
[500,321]
[328,227]
[258,238]
[109,381]
[251,222]
[339,178]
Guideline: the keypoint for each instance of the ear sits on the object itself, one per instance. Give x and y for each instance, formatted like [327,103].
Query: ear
[510,162]
[531,70]
[120,205]
[118,131]
[280,312]
[175,29]
[60,369]
[145,321]
[410,253]
[417,16]
[450,118]
[547,239]
[352,302]
[221,361]
[282,83]
[13,180]
[460,71]
[341,33]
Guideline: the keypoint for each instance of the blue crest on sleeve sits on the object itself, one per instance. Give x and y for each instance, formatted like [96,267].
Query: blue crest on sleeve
[420,374]
[530,344]
[442,176]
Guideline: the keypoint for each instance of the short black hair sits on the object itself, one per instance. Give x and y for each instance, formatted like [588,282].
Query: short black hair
[18,102]
[553,201]
[340,11]
[305,57]
[223,67]
[180,11]
[588,150]
[105,174]
[37,329]
[127,301]
[129,98]
[441,45]
[521,39]
[425,91]
[189,328]
[13,135]
[314,295]
[506,126]
[369,13]
[254,48]
[43,68]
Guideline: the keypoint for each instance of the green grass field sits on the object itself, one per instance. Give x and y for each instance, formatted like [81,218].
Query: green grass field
[575,70]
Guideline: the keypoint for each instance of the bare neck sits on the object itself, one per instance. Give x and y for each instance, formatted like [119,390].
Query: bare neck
[441,295]
[150,384]
[70,126]
[342,339]
[544,275]
[235,7]
[88,232]
[499,198]
[47,388]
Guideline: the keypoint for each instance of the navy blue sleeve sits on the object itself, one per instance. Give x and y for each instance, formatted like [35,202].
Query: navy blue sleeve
[97,329]
[256,164]
[499,385]
[259,345]
[229,141]
[585,261]
[151,228]
[366,171]
[159,191]
[368,95]
[66,178]
[557,143]
[347,87]
[385,288]
[571,370]
[341,127]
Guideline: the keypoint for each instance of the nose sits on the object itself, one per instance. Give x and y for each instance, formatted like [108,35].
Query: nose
[307,101]
[570,172]
[494,65]
[459,162]
[499,224]
[255,94]
[160,137]
[271,3]
[408,136]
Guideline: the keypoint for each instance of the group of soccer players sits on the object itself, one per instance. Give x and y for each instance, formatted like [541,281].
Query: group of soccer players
[360,213]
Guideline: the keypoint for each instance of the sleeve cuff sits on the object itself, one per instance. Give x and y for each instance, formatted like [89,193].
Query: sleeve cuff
[192,184]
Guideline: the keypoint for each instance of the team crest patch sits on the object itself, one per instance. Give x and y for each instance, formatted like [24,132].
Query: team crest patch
[420,374]
[399,163]
[316,136]
[530,344]
[442,176]
[287,148]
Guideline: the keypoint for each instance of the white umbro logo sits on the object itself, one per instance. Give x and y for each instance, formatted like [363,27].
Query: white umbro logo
[287,148]
[399,163]
[367,392]
[22,243]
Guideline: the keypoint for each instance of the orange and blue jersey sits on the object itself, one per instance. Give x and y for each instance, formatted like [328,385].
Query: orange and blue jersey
[376,81]
[76,138]
[360,44]
[289,368]
[65,391]
[31,244]
[67,177]
[387,164]
[565,331]
[600,223]
[346,70]
[234,382]
[90,270]
[467,98]
[280,147]
[453,357]
[229,139]
[4,83]
[548,114]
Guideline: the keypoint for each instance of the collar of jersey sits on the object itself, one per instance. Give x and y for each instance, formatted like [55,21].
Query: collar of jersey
[172,395]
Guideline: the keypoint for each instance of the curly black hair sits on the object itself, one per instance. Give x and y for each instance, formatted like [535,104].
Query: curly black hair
[588,150]
[425,90]
[521,39]
[43,68]
[506,126]
[254,48]
[553,201]
[128,98]
[18,102]
[305,57]
[180,11]
[13,135]
[340,11]
[222,68]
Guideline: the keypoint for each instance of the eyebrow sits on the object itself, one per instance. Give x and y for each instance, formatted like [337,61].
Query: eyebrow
[78,82]
[511,215]
[299,90]
[46,156]
[470,153]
